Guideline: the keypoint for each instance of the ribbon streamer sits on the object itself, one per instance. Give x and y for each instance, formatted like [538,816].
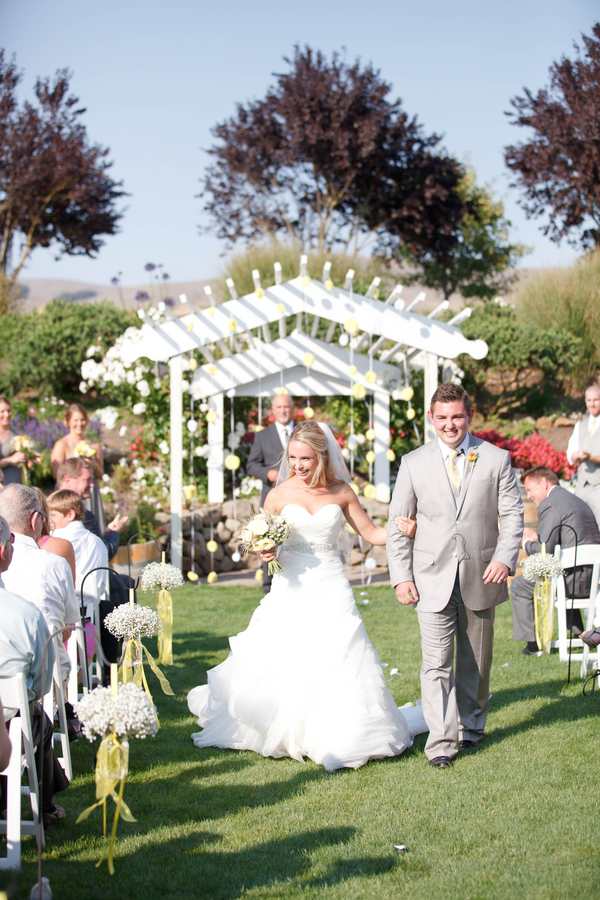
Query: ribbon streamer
[164,607]
[133,667]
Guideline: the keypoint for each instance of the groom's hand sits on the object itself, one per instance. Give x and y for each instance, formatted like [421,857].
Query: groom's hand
[496,573]
[406,593]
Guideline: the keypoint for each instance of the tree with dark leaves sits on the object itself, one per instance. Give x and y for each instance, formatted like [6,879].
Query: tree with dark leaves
[559,167]
[54,186]
[325,159]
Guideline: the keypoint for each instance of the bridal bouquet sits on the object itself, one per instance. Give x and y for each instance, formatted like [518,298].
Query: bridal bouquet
[263,532]
[23,444]
[85,450]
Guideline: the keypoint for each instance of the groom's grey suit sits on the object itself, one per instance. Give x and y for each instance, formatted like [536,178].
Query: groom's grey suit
[457,537]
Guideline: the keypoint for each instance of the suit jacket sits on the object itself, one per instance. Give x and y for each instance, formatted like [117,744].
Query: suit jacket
[455,532]
[266,453]
[561,507]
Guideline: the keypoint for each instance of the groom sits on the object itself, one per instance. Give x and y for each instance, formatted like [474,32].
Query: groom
[469,515]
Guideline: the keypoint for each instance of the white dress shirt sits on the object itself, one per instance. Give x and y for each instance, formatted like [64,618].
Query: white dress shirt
[23,636]
[90,551]
[573,446]
[283,430]
[459,460]
[46,581]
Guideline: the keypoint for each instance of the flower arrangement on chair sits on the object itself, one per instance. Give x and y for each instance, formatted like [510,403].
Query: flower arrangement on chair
[542,568]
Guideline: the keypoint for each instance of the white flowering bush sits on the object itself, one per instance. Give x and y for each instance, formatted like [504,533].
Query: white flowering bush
[539,565]
[156,577]
[133,622]
[130,714]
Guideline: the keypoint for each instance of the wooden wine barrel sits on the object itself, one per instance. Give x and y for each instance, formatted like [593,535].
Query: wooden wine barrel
[140,555]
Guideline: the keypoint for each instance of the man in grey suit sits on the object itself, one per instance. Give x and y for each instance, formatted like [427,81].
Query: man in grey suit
[556,507]
[460,489]
[266,453]
[584,450]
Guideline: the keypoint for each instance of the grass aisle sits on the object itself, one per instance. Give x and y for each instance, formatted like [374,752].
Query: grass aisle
[511,820]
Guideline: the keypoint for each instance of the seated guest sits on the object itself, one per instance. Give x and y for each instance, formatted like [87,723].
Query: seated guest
[556,506]
[42,578]
[49,542]
[23,638]
[66,511]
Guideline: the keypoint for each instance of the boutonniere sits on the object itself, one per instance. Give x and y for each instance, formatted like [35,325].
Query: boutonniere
[472,459]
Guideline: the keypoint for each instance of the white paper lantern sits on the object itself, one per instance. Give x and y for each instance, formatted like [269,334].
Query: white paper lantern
[192,426]
[231,392]
[235,557]
[344,340]
[352,443]
[370,563]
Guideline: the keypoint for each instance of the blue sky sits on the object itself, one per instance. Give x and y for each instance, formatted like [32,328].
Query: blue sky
[155,77]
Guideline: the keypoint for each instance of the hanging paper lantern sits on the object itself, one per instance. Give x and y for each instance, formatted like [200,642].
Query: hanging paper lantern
[211,310]
[370,491]
[407,394]
[355,488]
[192,426]
[259,293]
[370,434]
[259,428]
[308,359]
[375,294]
[193,365]
[232,462]
[410,413]
[305,280]
[352,443]
[211,577]
[370,457]
[211,416]
[282,390]
[370,563]
[193,576]
[343,340]
[190,326]
[232,325]
[258,575]
[352,370]
[351,326]
[328,284]
[212,369]
[280,308]
[308,412]
[211,546]
[391,455]
[231,393]
[235,557]
[371,377]
[359,391]
[190,491]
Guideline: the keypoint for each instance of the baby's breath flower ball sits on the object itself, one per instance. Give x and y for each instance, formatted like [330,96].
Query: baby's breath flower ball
[539,566]
[132,714]
[130,622]
[156,577]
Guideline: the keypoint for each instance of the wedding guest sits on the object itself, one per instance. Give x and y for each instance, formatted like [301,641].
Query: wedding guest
[584,450]
[556,506]
[42,578]
[23,639]
[50,542]
[460,489]
[77,421]
[10,461]
[266,454]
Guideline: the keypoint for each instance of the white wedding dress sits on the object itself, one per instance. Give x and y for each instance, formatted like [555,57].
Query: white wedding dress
[304,678]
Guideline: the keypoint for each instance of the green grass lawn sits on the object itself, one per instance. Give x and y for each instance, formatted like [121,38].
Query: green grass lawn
[518,818]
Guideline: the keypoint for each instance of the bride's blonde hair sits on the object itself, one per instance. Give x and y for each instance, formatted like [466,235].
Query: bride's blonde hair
[310,433]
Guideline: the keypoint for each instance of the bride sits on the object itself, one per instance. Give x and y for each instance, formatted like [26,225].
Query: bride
[304,678]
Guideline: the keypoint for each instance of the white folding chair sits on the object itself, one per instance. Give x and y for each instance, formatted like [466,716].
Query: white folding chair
[54,703]
[96,665]
[587,555]
[79,666]
[13,692]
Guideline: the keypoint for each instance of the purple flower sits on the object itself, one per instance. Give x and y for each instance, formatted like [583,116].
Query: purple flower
[166,276]
[142,296]
[149,267]
[114,281]
[169,301]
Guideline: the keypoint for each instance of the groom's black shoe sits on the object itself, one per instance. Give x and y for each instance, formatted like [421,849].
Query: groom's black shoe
[441,762]
[468,745]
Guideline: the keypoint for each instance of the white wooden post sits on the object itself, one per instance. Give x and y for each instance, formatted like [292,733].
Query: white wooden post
[176,379]
[381,426]
[431,383]
[216,490]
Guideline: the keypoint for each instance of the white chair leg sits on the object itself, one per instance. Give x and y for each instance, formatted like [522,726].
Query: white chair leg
[562,629]
[11,826]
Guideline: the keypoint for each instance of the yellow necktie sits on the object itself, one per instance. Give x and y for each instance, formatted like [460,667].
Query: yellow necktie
[452,468]
[592,425]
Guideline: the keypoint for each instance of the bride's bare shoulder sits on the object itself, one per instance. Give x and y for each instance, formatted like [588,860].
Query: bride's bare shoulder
[276,498]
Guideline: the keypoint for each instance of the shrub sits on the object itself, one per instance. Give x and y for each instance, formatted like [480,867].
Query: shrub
[533,451]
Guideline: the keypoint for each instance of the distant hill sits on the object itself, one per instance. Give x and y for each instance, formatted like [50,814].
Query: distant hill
[36,292]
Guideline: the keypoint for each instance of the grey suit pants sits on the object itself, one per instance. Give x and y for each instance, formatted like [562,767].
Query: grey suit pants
[455,697]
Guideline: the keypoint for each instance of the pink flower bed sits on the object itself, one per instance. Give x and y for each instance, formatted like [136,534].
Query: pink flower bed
[532,451]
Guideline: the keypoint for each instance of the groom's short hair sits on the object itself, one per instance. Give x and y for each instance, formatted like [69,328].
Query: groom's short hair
[450,393]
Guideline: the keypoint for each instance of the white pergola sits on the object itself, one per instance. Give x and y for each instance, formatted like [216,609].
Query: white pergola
[280,360]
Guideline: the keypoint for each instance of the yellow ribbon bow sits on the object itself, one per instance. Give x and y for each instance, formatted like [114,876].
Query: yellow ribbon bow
[164,607]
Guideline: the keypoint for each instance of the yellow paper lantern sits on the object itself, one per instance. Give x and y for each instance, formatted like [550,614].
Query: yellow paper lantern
[232,325]
[359,391]
[370,491]
[258,575]
[190,491]
[370,457]
[211,416]
[351,326]
[371,377]
[212,369]
[376,294]
[370,434]
[305,280]
[329,284]
[211,546]
[211,310]
[193,365]
[355,488]
[193,576]
[259,293]
[232,462]
[211,577]
[282,390]
[407,394]
[352,370]
[259,428]
[410,413]
[190,326]
[308,359]
[308,412]
[391,455]
[280,308]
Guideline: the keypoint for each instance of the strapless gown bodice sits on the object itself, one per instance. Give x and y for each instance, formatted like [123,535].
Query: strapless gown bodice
[304,679]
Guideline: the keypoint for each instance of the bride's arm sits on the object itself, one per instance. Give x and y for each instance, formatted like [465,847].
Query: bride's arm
[361,523]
